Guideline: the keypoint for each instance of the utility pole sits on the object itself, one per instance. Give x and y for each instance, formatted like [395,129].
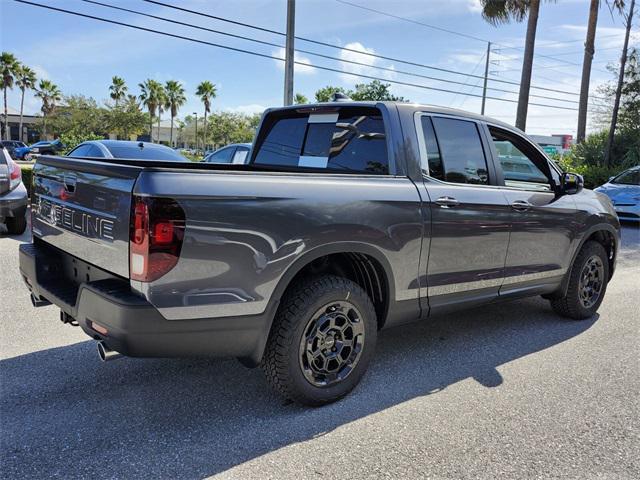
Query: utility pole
[616,102]
[486,77]
[289,53]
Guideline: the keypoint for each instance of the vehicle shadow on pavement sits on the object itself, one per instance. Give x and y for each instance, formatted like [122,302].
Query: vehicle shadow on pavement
[65,414]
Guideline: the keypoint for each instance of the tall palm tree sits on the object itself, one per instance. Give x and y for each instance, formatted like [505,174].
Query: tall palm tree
[175,99]
[503,11]
[8,67]
[616,100]
[207,92]
[161,95]
[589,50]
[117,89]
[25,79]
[50,94]
[149,98]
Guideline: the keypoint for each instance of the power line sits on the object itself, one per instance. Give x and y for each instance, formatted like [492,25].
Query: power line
[249,52]
[329,57]
[410,20]
[360,52]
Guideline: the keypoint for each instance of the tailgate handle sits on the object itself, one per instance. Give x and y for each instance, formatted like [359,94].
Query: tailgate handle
[70,181]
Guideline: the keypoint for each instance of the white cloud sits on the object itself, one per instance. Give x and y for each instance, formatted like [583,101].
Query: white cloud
[365,64]
[474,6]
[305,69]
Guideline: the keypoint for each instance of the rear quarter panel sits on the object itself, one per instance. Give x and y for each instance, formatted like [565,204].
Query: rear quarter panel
[245,231]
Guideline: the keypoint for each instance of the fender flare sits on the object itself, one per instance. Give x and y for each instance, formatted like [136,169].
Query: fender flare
[297,266]
[587,234]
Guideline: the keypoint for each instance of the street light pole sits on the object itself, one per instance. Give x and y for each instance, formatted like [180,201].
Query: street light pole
[196,114]
[289,53]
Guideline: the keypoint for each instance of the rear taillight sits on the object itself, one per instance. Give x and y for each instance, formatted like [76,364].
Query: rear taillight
[155,237]
[15,175]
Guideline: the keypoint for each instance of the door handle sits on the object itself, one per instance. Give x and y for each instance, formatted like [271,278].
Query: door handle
[446,202]
[521,205]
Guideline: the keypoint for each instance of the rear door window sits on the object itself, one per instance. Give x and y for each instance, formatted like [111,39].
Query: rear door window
[352,140]
[222,156]
[460,146]
[80,151]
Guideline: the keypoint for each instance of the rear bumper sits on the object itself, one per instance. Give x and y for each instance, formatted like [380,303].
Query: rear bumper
[135,327]
[14,203]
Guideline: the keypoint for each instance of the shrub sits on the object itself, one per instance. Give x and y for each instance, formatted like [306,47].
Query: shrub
[27,175]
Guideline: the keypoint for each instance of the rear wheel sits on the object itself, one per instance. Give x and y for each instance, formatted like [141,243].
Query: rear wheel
[587,284]
[16,225]
[322,340]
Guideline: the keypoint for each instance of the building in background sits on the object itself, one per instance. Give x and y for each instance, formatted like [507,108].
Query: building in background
[29,126]
[559,143]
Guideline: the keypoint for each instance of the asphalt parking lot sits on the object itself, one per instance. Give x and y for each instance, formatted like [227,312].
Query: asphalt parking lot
[510,390]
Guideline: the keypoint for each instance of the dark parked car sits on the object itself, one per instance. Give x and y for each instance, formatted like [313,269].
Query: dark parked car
[46,147]
[126,149]
[349,217]
[624,192]
[13,195]
[237,153]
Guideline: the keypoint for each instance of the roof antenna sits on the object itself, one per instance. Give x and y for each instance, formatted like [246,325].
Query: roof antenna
[340,97]
[141,144]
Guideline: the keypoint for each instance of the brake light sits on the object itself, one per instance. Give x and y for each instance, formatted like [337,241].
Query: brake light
[15,177]
[155,237]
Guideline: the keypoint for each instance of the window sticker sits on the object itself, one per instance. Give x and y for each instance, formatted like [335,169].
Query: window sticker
[313,162]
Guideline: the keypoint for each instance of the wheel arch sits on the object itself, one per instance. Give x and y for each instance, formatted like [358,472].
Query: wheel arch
[304,264]
[608,237]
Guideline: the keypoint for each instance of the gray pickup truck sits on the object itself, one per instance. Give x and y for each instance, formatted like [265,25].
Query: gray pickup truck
[348,218]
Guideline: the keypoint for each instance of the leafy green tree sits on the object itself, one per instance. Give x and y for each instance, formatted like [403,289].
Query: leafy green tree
[374,90]
[504,11]
[8,68]
[207,92]
[78,115]
[150,98]
[300,99]
[49,93]
[175,98]
[127,119]
[117,89]
[25,80]
[324,94]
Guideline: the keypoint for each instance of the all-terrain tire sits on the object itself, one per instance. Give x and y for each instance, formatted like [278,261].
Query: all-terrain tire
[301,306]
[570,305]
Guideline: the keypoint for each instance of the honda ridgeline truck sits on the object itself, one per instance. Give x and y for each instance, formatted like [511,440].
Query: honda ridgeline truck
[348,218]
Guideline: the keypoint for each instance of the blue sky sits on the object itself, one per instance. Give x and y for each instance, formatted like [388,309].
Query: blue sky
[81,55]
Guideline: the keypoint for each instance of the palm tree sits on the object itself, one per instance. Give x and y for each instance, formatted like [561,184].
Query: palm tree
[616,101]
[589,50]
[8,67]
[161,95]
[25,79]
[149,98]
[503,11]
[50,94]
[207,92]
[175,99]
[117,89]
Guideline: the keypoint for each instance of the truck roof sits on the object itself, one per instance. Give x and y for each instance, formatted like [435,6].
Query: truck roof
[403,106]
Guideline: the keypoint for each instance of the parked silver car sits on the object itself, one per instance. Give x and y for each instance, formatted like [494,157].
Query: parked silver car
[13,195]
[624,192]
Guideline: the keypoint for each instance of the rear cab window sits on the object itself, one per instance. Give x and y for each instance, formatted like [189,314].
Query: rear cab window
[348,139]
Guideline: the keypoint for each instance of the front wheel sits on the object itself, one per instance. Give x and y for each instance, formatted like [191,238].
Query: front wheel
[322,340]
[587,283]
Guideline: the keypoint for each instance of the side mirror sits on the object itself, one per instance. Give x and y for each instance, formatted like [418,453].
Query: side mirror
[571,183]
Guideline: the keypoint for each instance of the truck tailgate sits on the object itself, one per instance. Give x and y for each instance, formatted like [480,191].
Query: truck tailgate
[83,207]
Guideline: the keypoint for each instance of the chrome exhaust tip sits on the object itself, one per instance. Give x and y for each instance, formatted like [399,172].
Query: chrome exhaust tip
[105,353]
